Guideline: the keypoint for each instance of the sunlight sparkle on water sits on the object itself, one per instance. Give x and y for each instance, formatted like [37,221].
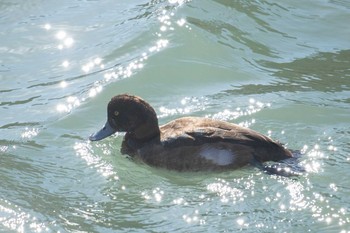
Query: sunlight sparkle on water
[97,60]
[333,187]
[226,192]
[62,108]
[63,84]
[95,90]
[29,133]
[84,150]
[61,35]
[66,41]
[71,102]
[241,222]
[179,201]
[94,65]
[162,43]
[314,162]
[188,104]
[65,63]
[296,192]
[119,72]
[47,26]
[228,114]
[3,148]
[87,67]
[317,203]
[181,22]
[179,2]
[156,195]
[332,148]
[92,92]
[193,218]
[15,219]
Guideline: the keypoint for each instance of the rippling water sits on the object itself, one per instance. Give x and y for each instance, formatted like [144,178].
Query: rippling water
[279,67]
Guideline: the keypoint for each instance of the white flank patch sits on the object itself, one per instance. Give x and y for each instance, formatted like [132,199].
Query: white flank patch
[220,157]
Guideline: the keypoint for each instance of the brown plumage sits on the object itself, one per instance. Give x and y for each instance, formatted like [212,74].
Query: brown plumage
[188,143]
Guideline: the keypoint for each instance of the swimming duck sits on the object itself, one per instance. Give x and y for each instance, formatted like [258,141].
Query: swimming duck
[187,143]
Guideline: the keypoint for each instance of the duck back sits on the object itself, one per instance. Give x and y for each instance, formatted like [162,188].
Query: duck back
[193,144]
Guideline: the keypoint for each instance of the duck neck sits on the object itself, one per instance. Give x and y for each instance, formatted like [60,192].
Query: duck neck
[145,132]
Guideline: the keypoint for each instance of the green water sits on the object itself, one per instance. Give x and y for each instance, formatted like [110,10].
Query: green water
[279,67]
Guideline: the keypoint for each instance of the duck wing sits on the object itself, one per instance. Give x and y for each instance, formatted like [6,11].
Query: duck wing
[191,131]
[203,135]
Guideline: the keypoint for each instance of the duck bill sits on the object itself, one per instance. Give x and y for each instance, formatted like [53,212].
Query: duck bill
[106,131]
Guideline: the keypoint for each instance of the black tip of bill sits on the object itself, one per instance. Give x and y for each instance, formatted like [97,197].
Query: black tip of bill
[106,131]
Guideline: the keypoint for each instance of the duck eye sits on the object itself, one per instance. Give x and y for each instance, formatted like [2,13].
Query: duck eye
[116,113]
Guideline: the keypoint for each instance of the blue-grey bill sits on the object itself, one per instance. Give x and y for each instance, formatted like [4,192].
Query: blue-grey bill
[106,131]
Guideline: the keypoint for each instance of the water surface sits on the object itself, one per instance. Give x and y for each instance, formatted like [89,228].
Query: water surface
[279,67]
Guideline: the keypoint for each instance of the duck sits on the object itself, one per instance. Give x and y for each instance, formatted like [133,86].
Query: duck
[186,143]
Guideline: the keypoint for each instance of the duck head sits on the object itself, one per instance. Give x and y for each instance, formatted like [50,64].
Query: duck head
[130,114]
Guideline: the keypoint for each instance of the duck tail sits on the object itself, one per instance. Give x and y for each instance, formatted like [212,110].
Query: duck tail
[287,168]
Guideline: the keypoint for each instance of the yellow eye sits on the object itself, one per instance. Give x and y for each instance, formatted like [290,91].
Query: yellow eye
[116,113]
